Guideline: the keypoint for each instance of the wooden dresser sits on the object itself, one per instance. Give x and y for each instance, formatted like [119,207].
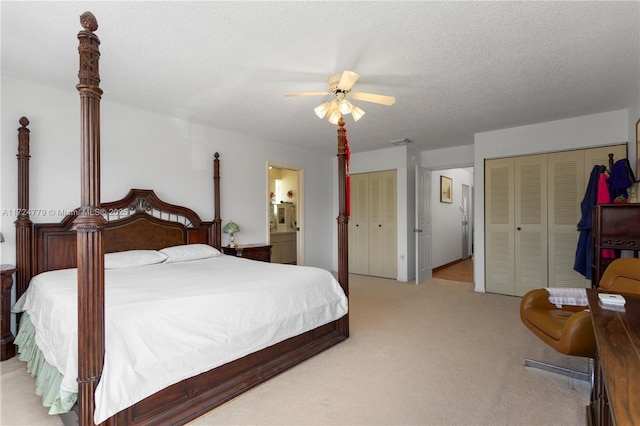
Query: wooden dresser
[616,392]
[614,226]
[259,252]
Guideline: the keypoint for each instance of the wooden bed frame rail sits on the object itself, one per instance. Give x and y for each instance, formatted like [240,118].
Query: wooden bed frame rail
[141,220]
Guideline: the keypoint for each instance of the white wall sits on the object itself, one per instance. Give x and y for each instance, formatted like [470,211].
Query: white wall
[141,149]
[448,158]
[581,132]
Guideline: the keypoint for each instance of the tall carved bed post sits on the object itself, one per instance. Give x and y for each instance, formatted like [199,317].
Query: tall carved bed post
[343,222]
[89,225]
[23,222]
[217,220]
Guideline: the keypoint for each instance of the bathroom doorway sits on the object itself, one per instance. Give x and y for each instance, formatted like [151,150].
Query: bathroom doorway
[285,201]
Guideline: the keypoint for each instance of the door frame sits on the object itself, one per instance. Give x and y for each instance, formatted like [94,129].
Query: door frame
[300,252]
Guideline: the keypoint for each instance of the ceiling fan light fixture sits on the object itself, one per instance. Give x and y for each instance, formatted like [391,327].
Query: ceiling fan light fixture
[334,116]
[356,113]
[341,86]
[322,109]
[345,106]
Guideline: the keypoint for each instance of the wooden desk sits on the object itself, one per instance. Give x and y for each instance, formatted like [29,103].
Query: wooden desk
[616,395]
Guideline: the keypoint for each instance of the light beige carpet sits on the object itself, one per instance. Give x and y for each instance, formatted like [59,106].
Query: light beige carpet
[434,354]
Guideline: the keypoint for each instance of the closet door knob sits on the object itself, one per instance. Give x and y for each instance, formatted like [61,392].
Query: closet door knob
[379,226]
[518,228]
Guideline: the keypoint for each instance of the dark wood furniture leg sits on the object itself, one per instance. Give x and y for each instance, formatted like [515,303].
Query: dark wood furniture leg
[7,348]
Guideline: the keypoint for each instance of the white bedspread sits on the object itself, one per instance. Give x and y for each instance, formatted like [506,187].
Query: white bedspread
[167,322]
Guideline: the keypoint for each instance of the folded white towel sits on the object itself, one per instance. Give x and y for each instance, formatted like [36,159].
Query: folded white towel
[568,296]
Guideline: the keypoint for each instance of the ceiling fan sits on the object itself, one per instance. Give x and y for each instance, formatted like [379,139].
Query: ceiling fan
[340,86]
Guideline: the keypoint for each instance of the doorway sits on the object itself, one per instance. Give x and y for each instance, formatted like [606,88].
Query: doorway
[466,240]
[285,213]
[453,220]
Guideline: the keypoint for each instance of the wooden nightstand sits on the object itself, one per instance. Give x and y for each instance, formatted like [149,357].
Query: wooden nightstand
[250,251]
[7,348]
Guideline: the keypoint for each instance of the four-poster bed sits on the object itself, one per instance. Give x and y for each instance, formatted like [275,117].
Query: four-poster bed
[141,221]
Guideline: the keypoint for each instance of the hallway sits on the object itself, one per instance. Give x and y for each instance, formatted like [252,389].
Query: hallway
[461,270]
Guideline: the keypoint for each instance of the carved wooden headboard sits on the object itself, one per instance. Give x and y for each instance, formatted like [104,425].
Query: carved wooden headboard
[138,221]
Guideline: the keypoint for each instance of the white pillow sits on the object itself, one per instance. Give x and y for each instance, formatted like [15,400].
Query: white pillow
[189,252]
[130,258]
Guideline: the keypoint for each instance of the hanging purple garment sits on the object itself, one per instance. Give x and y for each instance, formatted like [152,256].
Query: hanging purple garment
[582,262]
[620,179]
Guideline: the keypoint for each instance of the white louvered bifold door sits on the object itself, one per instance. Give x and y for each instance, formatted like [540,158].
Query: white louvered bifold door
[531,223]
[566,191]
[359,225]
[499,226]
[532,208]
[382,224]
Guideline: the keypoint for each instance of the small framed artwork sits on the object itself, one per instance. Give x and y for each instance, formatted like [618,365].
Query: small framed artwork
[446,190]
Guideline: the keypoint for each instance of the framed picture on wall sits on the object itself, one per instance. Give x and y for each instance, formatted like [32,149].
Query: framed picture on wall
[446,190]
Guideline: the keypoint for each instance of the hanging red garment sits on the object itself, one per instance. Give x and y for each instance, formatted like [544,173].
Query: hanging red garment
[604,198]
[348,180]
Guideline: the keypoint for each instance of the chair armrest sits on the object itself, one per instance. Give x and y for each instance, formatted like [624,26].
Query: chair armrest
[578,335]
[538,298]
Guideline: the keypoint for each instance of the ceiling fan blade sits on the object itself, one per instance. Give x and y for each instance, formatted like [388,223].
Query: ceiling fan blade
[309,94]
[372,97]
[347,80]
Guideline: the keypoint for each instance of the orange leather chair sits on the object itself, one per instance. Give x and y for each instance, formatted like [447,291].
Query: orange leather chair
[569,329]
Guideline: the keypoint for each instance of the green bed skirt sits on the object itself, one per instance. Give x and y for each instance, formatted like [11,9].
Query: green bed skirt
[48,378]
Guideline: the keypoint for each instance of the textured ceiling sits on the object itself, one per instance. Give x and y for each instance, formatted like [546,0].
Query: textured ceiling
[456,68]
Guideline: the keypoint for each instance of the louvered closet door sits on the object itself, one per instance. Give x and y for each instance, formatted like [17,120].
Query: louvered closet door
[499,226]
[600,156]
[359,225]
[382,224]
[531,223]
[566,190]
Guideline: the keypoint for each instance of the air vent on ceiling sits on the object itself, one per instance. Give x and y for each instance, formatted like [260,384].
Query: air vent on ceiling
[399,142]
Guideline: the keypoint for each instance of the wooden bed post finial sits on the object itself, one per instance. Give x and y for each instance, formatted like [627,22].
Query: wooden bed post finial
[89,21]
[343,222]
[342,135]
[610,165]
